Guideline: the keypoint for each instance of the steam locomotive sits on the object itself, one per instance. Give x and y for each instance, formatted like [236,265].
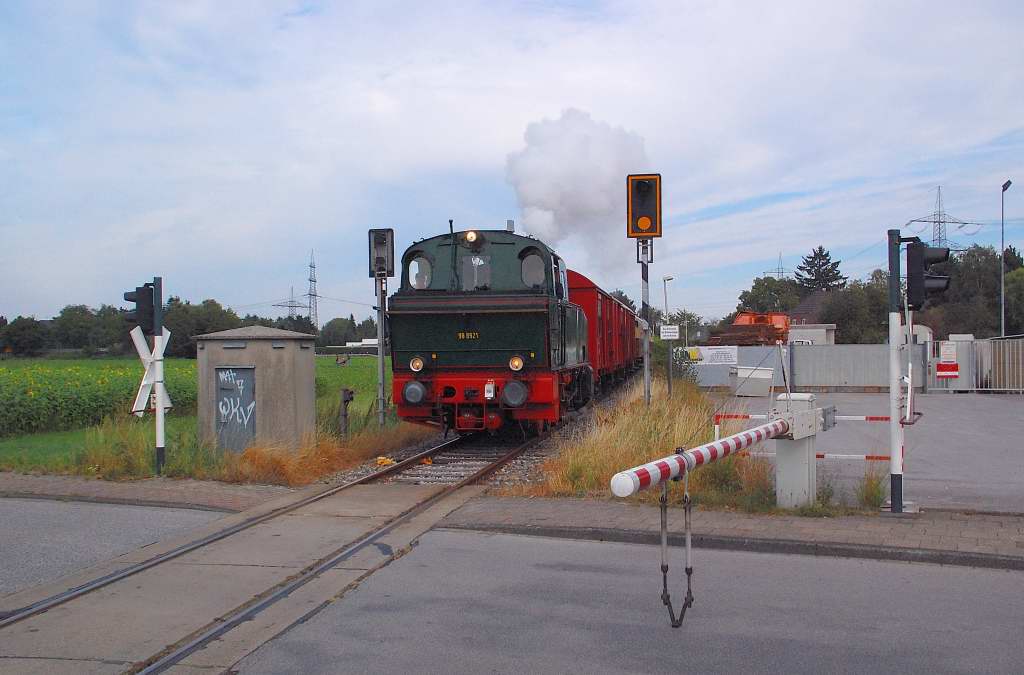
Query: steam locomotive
[489,328]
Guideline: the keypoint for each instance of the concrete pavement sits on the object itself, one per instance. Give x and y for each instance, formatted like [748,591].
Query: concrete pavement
[967,452]
[473,602]
[121,625]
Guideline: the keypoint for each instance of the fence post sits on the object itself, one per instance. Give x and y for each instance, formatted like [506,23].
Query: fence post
[346,397]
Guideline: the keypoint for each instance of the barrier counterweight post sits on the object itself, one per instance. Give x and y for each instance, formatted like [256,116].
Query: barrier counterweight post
[895,340]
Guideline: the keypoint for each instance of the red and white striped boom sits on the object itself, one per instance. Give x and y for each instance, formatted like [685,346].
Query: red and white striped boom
[631,481]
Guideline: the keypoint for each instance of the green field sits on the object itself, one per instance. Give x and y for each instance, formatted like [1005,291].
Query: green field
[51,411]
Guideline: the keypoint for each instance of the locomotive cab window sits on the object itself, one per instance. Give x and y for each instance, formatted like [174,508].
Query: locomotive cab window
[476,273]
[561,282]
[419,273]
[533,270]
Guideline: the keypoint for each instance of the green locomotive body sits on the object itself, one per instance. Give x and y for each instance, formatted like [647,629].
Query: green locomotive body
[483,332]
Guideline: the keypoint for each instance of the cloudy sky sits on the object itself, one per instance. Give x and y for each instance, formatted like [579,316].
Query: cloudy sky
[217,143]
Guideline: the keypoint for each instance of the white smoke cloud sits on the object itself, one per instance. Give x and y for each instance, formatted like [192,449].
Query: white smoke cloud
[570,179]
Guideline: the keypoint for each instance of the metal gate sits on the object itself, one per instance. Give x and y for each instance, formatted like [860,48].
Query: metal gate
[236,408]
[993,365]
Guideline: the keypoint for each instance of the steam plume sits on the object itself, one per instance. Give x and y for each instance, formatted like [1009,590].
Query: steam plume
[570,179]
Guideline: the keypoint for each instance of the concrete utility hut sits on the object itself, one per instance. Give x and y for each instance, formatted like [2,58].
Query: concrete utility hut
[255,383]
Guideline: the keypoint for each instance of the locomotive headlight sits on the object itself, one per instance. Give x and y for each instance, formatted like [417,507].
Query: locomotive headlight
[516,363]
[471,236]
[416,364]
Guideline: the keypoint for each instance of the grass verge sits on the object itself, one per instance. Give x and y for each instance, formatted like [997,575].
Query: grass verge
[121,447]
[630,434]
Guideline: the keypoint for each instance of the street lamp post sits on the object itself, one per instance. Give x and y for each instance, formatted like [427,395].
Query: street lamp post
[1002,258]
[664,283]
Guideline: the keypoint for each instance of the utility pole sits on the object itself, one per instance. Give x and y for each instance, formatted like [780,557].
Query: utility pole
[670,343]
[312,295]
[1002,258]
[940,222]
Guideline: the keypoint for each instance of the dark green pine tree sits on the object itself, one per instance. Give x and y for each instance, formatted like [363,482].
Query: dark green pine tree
[818,272]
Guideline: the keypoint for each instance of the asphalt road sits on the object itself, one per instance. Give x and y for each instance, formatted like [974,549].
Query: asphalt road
[474,602]
[44,540]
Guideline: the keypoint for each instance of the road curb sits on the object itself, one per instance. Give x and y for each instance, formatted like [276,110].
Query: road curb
[760,545]
[120,501]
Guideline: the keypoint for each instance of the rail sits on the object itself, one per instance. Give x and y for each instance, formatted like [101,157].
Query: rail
[45,604]
[224,624]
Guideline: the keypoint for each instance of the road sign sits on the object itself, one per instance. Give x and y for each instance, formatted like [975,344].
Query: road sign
[947,367]
[144,397]
[718,356]
[669,332]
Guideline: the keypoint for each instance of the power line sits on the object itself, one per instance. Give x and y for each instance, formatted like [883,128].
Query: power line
[267,303]
[349,302]
[940,220]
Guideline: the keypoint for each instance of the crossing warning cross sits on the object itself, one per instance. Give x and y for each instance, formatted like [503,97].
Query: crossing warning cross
[146,397]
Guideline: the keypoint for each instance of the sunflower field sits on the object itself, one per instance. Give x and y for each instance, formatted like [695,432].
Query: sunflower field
[58,394]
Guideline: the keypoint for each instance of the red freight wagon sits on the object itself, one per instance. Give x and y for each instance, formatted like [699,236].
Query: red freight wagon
[612,329]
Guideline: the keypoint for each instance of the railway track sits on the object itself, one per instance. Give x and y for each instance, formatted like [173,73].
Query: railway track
[452,464]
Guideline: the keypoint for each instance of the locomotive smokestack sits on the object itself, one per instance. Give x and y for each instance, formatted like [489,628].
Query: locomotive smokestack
[510,225]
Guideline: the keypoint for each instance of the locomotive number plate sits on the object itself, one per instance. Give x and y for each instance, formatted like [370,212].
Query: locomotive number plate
[468,335]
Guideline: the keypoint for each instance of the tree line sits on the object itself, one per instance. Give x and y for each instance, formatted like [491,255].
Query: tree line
[860,308]
[105,330]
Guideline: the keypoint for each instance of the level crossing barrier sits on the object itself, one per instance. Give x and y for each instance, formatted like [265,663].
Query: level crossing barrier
[719,417]
[678,466]
[794,427]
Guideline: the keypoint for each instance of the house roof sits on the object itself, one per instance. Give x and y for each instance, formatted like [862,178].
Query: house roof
[809,309]
[256,333]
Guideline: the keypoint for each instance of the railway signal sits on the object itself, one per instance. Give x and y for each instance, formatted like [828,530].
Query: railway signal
[920,282]
[643,206]
[143,313]
[382,253]
[643,223]
[382,266]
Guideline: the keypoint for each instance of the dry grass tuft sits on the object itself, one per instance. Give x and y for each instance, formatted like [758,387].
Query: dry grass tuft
[872,489]
[630,434]
[317,457]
